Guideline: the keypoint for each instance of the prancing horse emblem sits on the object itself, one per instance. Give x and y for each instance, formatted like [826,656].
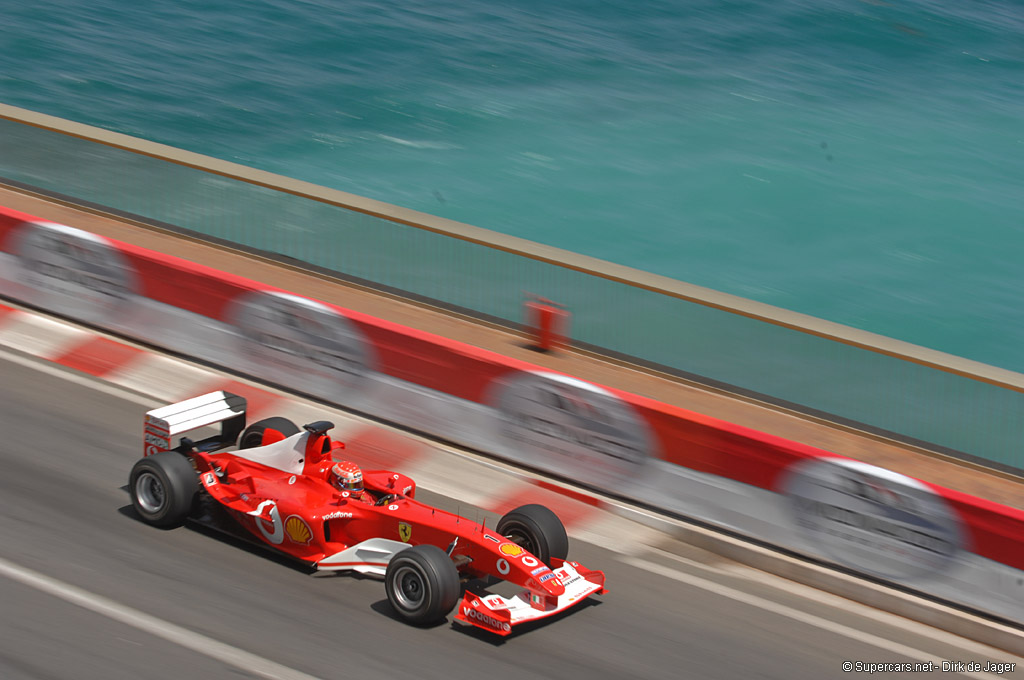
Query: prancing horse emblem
[404,531]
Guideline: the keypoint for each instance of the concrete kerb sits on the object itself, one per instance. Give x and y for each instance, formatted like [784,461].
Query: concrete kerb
[872,594]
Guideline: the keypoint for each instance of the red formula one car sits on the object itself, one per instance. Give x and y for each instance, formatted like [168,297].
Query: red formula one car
[284,487]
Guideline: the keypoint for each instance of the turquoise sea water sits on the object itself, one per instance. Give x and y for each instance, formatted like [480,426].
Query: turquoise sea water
[862,162]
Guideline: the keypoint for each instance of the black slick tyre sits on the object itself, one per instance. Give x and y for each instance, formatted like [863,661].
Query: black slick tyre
[163,488]
[538,530]
[253,435]
[422,584]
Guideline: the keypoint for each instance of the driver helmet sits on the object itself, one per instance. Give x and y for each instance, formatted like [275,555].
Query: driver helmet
[346,476]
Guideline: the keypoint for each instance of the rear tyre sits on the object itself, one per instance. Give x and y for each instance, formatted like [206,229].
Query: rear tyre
[163,488]
[538,530]
[422,584]
[253,435]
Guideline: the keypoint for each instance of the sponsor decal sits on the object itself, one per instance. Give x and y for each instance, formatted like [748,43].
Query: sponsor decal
[345,494]
[538,570]
[276,532]
[871,519]
[245,496]
[72,271]
[209,478]
[546,577]
[495,539]
[407,490]
[404,531]
[286,334]
[495,602]
[156,423]
[155,443]
[392,507]
[511,549]
[297,529]
[291,480]
[565,577]
[530,561]
[503,566]
[338,515]
[485,619]
[567,425]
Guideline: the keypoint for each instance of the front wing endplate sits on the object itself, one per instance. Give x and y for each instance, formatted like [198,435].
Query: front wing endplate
[500,615]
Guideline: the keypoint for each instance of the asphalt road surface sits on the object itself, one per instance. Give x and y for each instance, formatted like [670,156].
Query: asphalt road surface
[90,592]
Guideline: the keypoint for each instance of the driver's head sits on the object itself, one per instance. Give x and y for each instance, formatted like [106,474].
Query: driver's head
[346,476]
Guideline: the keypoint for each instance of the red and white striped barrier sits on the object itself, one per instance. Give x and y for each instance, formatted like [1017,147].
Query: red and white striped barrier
[887,525]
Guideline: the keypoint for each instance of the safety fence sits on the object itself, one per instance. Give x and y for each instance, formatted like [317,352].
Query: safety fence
[884,385]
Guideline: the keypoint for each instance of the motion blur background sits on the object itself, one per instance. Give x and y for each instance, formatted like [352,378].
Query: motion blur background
[857,161]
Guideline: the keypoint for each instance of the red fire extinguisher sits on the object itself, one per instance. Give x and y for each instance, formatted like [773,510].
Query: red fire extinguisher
[547,323]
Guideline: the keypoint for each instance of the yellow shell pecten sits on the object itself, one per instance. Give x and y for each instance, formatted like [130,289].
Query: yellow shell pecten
[297,530]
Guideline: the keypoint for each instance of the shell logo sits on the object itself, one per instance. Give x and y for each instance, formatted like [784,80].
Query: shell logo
[511,549]
[297,529]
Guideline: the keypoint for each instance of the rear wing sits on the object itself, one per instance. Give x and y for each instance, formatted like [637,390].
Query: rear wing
[166,422]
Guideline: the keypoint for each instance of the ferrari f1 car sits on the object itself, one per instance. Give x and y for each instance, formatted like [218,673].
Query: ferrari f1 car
[277,487]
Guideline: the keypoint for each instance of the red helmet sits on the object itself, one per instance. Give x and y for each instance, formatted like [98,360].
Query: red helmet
[346,476]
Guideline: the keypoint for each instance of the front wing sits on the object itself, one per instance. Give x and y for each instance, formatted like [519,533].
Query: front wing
[500,615]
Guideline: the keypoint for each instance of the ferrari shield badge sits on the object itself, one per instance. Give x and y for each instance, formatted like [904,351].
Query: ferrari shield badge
[404,531]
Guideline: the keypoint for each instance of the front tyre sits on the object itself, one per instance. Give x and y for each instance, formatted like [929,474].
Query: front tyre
[163,487]
[422,584]
[536,529]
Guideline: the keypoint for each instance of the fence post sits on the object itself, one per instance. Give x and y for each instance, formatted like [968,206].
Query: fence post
[547,323]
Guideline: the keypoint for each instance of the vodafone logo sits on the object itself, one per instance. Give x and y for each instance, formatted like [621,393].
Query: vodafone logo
[485,619]
[276,534]
[155,441]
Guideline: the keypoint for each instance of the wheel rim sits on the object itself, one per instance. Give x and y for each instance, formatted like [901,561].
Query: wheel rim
[410,588]
[149,491]
[522,538]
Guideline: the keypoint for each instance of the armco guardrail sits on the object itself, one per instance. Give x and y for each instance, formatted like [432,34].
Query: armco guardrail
[881,384]
[922,537]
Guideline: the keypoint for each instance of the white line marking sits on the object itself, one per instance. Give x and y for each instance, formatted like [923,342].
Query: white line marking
[40,335]
[716,568]
[166,379]
[232,656]
[79,378]
[753,575]
[789,612]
